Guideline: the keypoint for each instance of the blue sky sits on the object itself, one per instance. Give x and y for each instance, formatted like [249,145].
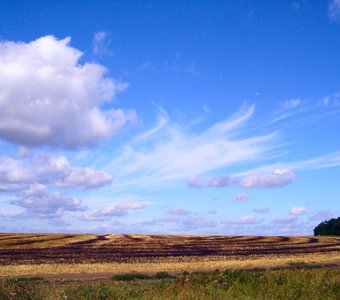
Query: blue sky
[204,117]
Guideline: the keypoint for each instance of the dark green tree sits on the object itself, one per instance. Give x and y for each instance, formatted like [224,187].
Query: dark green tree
[330,227]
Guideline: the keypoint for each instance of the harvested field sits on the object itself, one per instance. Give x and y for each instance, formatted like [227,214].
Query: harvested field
[73,253]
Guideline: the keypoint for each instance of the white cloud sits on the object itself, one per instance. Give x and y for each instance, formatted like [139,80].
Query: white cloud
[45,171]
[111,211]
[332,100]
[48,98]
[196,182]
[245,220]
[329,160]
[162,121]
[178,153]
[84,178]
[241,197]
[334,10]
[275,178]
[258,179]
[47,205]
[291,104]
[101,43]
[319,162]
[35,179]
[220,181]
[298,210]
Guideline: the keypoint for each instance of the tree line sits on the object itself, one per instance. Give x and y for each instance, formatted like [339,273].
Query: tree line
[330,227]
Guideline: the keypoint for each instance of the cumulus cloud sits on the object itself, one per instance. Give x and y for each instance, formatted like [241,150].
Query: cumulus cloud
[45,205]
[42,171]
[196,182]
[57,100]
[272,179]
[298,210]
[220,181]
[334,10]
[34,180]
[111,211]
[258,179]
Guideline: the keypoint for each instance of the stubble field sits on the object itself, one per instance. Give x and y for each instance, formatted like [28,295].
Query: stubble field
[100,255]
[111,266]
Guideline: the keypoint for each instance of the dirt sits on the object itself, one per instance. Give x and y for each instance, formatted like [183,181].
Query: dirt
[127,248]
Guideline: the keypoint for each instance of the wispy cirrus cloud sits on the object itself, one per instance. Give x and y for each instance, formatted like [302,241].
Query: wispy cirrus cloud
[177,153]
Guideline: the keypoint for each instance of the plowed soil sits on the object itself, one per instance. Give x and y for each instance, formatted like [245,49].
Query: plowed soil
[53,249]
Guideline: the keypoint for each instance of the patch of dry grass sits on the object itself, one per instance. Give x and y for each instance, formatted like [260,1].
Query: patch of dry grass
[177,265]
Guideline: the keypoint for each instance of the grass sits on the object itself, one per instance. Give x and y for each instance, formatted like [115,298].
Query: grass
[130,276]
[141,276]
[168,267]
[291,283]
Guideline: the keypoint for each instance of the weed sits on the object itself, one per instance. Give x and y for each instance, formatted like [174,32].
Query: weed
[163,275]
[101,292]
[130,276]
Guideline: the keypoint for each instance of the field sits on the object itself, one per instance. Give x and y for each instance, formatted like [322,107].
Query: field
[55,254]
[168,266]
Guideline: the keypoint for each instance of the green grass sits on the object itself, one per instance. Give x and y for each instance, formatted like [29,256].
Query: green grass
[141,276]
[295,282]
[130,276]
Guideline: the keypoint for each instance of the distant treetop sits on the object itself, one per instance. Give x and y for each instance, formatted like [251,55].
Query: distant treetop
[330,227]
